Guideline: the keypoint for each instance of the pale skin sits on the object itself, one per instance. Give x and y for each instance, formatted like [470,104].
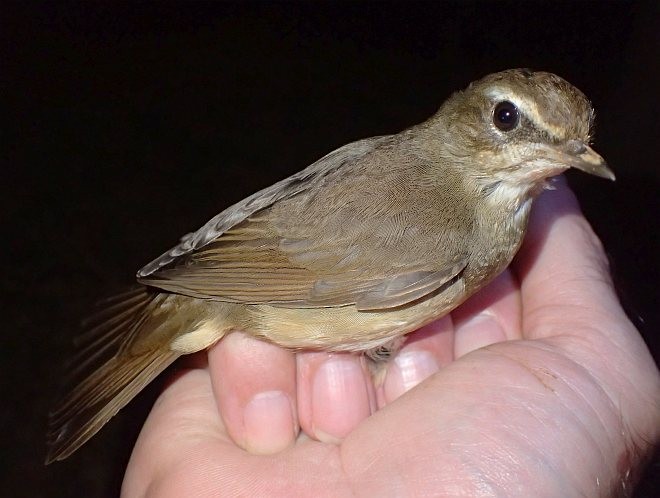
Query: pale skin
[537,386]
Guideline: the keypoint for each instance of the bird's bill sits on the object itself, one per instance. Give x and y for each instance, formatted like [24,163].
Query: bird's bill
[579,155]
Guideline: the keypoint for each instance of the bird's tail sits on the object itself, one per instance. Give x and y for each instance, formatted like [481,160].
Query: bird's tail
[124,348]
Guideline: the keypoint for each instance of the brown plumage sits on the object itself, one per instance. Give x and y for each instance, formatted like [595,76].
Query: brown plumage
[367,244]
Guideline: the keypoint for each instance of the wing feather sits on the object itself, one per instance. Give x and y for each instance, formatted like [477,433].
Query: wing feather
[287,188]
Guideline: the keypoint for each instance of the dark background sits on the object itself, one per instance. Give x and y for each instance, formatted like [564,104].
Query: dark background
[125,127]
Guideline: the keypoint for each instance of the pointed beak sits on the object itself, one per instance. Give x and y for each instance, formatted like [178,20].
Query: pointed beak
[577,154]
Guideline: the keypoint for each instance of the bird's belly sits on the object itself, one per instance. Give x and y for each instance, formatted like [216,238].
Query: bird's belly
[345,328]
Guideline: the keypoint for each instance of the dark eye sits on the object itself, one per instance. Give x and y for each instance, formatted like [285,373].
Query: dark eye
[505,116]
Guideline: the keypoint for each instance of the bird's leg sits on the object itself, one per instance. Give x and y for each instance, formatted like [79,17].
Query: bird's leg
[379,357]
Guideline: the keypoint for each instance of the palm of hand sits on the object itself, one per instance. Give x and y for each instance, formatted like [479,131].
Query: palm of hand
[542,387]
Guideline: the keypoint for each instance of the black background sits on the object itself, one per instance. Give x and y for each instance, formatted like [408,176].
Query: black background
[125,127]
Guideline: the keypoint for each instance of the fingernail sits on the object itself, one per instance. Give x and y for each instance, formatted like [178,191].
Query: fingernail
[269,423]
[477,332]
[408,369]
[340,399]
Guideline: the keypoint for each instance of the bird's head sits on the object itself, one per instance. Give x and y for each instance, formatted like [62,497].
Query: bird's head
[517,128]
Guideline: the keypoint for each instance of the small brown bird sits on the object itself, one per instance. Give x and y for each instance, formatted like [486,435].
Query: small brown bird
[369,243]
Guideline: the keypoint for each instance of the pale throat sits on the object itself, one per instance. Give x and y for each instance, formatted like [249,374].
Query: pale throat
[510,196]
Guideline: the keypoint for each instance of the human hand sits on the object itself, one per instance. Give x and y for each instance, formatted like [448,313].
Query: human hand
[537,386]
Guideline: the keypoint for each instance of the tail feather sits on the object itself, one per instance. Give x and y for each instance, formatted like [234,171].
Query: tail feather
[107,371]
[105,346]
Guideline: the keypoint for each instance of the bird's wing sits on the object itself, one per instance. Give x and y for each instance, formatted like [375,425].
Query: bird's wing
[266,270]
[318,247]
[304,180]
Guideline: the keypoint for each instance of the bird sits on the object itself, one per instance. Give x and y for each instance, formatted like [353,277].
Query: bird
[367,244]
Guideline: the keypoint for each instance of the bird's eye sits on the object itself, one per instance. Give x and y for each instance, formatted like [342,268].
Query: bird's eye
[506,116]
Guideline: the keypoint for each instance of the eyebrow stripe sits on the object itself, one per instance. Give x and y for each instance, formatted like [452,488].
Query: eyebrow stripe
[530,110]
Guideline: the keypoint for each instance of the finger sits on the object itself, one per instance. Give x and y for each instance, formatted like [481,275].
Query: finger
[255,387]
[492,315]
[335,394]
[184,450]
[424,353]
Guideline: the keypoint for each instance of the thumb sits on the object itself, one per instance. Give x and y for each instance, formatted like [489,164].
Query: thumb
[569,302]
[562,266]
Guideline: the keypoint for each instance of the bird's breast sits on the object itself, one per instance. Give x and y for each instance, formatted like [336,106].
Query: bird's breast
[499,232]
